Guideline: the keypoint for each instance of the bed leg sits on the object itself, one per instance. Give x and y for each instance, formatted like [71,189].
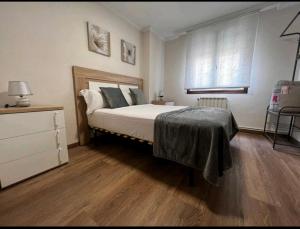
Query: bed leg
[95,137]
[191,177]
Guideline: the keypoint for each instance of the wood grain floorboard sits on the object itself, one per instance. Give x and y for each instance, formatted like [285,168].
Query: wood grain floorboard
[119,183]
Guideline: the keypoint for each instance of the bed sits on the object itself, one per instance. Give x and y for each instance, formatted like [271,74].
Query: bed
[197,137]
[134,121]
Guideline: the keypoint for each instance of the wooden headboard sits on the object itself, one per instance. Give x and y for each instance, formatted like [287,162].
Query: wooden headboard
[81,78]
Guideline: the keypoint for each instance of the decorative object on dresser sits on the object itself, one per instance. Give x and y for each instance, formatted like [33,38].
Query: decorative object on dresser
[163,102]
[128,51]
[20,88]
[99,39]
[32,140]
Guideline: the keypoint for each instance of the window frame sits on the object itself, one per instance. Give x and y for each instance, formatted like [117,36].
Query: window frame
[233,90]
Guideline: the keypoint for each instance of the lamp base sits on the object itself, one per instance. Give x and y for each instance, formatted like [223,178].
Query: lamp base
[23,102]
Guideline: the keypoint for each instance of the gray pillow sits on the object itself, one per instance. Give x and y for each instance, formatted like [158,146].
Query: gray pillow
[138,97]
[113,97]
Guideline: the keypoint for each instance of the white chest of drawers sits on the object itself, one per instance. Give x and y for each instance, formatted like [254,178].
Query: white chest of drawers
[32,140]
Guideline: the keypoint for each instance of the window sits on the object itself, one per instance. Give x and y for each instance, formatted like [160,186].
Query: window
[219,56]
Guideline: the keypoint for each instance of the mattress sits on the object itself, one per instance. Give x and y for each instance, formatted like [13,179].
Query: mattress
[136,121]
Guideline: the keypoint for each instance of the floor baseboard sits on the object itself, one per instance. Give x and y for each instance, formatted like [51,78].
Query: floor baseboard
[73,145]
[251,131]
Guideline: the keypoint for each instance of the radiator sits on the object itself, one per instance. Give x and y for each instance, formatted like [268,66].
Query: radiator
[213,102]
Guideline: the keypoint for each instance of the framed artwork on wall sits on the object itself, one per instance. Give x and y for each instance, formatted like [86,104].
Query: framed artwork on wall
[98,39]
[128,52]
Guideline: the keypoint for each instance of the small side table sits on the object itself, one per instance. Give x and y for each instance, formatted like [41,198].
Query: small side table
[281,139]
[163,102]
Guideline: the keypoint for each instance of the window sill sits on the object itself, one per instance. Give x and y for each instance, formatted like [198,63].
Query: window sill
[243,90]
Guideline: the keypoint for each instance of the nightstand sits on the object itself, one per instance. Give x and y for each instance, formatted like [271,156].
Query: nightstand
[163,102]
[32,140]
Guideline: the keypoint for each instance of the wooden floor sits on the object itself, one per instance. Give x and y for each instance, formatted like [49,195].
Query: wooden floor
[122,184]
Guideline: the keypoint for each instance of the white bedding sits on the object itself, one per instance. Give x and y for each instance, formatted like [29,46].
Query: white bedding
[136,121]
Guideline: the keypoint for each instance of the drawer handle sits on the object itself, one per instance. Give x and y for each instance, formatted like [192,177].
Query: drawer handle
[57,139]
[55,120]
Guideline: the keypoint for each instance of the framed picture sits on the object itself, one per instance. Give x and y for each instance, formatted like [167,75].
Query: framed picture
[99,39]
[128,52]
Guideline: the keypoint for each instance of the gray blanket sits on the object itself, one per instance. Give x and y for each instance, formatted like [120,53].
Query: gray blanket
[197,137]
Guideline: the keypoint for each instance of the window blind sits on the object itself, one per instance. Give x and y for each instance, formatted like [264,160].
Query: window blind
[220,55]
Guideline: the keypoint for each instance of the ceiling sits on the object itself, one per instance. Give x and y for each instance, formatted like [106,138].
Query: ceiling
[169,19]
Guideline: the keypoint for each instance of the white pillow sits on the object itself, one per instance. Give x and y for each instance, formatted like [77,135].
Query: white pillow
[95,85]
[93,100]
[126,92]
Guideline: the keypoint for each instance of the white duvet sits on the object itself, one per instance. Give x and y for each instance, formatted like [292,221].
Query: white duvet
[136,121]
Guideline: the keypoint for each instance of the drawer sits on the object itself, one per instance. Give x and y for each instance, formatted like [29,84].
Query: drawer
[18,124]
[21,169]
[43,142]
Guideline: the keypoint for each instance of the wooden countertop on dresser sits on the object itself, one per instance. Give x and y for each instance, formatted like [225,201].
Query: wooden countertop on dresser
[33,108]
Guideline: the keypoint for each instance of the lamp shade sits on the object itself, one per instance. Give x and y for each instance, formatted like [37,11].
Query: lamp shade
[18,88]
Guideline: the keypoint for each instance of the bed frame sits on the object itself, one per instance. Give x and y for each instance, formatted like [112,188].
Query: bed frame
[81,78]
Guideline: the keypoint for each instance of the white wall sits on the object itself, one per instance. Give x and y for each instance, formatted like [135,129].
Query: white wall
[157,54]
[41,41]
[146,62]
[153,47]
[273,60]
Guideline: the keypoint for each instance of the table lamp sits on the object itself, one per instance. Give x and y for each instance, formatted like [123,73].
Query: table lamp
[161,95]
[20,88]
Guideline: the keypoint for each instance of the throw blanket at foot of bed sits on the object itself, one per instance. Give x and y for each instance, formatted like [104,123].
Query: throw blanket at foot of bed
[198,137]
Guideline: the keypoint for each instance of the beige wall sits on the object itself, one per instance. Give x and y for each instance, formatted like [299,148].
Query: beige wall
[39,43]
[273,60]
